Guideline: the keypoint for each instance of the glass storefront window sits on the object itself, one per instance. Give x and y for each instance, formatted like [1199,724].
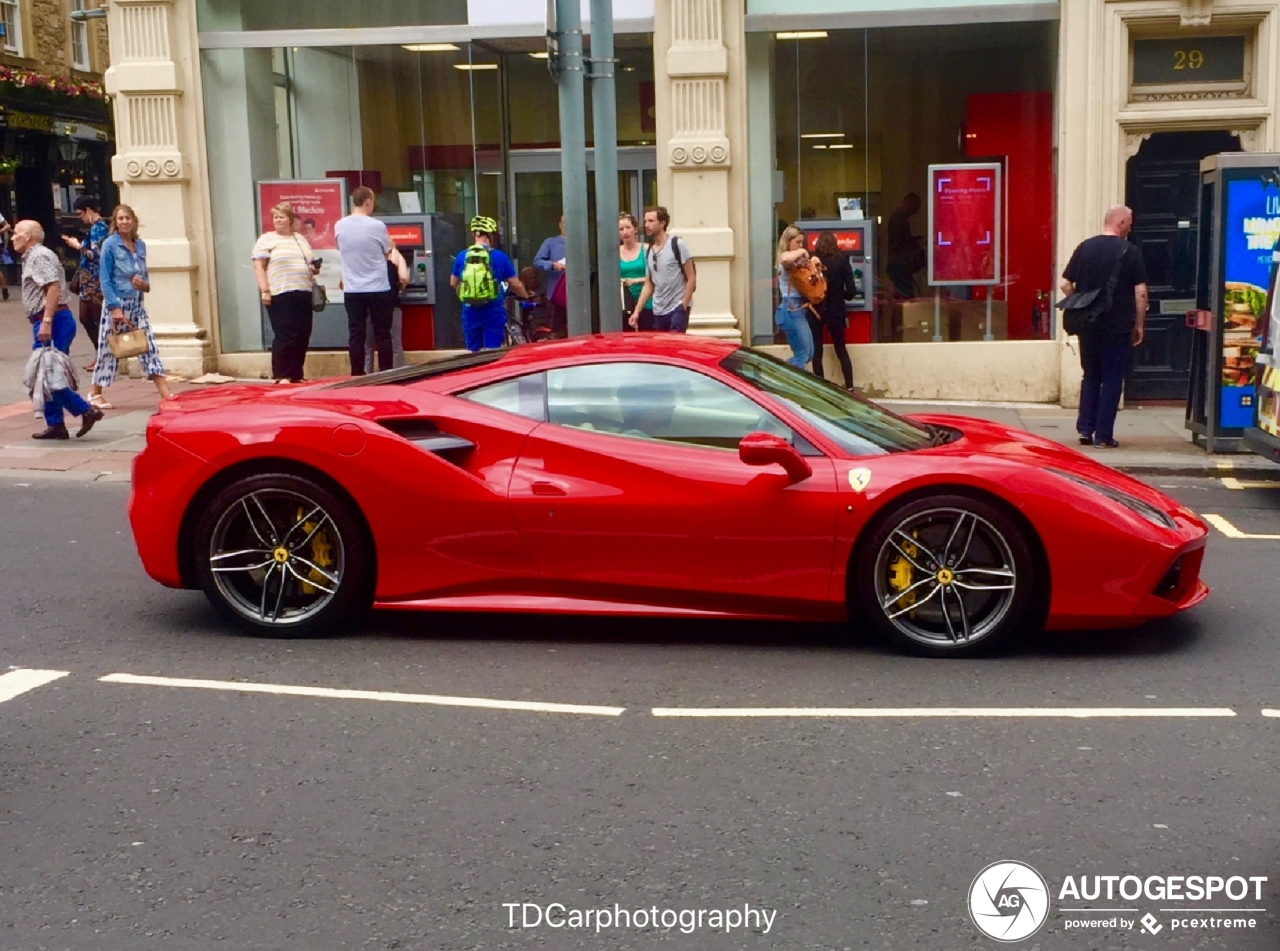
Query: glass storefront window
[863,114]
[446,129]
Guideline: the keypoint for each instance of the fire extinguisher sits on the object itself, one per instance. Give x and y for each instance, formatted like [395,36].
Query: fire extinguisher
[1040,316]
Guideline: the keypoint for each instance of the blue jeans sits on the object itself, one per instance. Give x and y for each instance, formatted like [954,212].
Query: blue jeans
[64,331]
[676,322]
[794,324]
[1105,358]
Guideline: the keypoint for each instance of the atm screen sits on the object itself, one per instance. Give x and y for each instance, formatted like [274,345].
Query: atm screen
[850,241]
[406,236]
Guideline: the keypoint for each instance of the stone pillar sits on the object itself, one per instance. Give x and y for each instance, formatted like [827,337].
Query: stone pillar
[700,67]
[154,88]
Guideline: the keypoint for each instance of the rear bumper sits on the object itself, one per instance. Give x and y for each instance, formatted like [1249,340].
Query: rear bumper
[165,477]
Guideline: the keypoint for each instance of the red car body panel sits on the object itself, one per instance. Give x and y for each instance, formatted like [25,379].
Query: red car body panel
[540,517]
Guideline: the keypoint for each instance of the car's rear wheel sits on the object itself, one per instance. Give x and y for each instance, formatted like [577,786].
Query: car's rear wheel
[284,556]
[950,576]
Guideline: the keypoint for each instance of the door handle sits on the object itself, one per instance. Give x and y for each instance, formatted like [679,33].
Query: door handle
[548,489]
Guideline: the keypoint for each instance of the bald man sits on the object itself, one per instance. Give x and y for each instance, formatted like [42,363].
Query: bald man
[44,297]
[1106,349]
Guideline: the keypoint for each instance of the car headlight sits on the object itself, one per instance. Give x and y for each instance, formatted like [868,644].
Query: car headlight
[1137,506]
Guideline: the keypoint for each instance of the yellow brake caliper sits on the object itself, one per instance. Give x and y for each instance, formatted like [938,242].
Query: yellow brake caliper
[321,553]
[900,575]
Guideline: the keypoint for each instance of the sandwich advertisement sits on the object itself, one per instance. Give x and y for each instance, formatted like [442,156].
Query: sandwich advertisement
[1252,224]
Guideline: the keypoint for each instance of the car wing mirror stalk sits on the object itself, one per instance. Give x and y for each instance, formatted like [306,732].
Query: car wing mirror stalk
[766,449]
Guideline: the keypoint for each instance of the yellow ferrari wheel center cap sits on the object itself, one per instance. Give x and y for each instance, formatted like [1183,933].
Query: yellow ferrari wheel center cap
[281,555]
[945,576]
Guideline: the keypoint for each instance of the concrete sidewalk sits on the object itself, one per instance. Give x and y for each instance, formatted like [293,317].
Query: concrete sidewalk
[1153,439]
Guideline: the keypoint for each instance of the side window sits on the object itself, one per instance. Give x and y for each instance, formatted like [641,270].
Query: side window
[653,401]
[523,396]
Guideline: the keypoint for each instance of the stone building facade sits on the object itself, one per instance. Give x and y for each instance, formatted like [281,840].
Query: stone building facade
[56,134]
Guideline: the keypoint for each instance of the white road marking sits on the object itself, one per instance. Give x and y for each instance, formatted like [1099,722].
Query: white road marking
[1271,713]
[337,694]
[19,681]
[1222,525]
[945,712]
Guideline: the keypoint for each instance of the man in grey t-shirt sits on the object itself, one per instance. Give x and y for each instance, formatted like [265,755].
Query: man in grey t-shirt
[366,284]
[670,277]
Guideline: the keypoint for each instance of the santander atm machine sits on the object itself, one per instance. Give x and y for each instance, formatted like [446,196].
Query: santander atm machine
[432,315]
[856,238]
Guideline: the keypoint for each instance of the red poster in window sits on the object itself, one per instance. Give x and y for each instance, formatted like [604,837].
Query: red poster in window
[318,204]
[964,224]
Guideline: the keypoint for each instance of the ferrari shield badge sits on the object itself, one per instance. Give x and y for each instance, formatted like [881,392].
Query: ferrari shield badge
[859,479]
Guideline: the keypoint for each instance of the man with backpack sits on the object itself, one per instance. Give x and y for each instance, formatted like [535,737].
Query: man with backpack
[479,273]
[1111,323]
[670,277]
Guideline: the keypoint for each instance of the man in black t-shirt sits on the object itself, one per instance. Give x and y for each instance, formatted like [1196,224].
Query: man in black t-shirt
[1107,349]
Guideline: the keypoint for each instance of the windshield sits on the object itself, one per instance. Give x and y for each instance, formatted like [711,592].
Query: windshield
[857,426]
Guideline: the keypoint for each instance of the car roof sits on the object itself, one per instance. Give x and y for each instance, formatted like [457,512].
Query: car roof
[452,373]
[687,347]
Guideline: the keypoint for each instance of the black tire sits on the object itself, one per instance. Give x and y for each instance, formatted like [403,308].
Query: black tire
[292,559]
[948,576]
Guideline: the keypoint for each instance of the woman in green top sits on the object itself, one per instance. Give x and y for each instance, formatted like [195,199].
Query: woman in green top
[632,269]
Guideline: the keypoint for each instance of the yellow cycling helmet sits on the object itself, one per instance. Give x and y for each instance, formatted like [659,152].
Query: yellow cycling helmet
[482,224]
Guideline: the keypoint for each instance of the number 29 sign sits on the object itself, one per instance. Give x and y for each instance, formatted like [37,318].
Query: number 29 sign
[965,219]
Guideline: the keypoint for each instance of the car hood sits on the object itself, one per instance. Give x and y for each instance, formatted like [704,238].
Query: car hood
[981,436]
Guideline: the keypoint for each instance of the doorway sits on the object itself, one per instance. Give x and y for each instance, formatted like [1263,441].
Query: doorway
[1163,189]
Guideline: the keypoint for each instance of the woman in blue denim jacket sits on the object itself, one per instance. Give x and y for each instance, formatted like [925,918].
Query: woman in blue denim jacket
[124,280]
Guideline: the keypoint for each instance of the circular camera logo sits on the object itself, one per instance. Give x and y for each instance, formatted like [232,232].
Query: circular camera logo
[1009,901]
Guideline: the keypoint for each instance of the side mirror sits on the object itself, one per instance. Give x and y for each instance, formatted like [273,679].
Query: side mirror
[766,449]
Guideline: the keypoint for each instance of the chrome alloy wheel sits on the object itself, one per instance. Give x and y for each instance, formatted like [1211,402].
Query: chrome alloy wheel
[945,577]
[277,557]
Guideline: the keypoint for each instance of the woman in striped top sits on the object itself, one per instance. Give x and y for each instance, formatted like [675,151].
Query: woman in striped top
[285,270]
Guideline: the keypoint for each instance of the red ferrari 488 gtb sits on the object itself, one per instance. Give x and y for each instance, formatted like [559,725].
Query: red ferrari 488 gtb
[644,475]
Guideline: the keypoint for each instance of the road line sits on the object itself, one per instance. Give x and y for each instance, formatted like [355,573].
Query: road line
[387,697]
[17,682]
[1229,482]
[945,712]
[1222,525]
[1271,713]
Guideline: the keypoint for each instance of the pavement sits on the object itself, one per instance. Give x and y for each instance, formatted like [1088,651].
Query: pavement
[1153,439]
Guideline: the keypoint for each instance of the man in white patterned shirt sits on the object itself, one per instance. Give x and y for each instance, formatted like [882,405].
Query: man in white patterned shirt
[44,297]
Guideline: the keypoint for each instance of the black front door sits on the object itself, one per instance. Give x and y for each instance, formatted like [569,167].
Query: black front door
[1164,192]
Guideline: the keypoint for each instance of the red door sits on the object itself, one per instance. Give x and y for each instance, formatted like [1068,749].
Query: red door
[622,517]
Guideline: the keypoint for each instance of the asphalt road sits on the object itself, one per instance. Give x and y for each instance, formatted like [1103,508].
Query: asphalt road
[140,815]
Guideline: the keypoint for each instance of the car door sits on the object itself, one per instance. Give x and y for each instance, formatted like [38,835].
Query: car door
[633,488]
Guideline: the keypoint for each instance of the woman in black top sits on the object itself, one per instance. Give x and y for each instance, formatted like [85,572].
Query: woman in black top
[839,289]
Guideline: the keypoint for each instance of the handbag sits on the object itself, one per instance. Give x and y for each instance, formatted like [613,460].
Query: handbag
[560,293]
[319,296]
[74,286]
[1083,310]
[128,343]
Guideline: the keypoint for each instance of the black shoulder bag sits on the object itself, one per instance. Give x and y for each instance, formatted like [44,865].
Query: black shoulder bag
[1084,310]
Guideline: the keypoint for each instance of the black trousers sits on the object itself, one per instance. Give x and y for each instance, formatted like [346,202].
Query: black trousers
[90,318]
[836,327]
[376,307]
[291,317]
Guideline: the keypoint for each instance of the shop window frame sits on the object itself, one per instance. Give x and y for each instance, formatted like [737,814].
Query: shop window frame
[13,44]
[79,36]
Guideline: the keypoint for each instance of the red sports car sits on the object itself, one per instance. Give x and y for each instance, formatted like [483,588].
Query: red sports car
[644,475]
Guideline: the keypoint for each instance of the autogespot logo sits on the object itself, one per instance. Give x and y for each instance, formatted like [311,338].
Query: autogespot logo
[1009,901]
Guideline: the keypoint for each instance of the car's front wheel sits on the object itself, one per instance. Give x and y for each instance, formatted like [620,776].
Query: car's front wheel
[950,576]
[284,556]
